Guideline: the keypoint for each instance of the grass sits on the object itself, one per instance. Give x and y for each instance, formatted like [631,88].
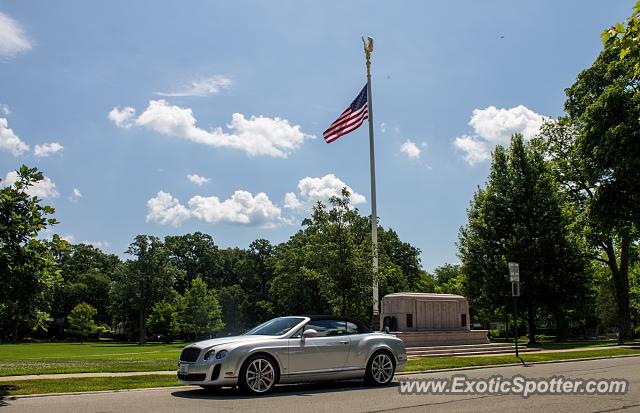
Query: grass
[568,344]
[431,363]
[55,358]
[24,387]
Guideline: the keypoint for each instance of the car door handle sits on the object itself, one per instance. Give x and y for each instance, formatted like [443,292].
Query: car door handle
[344,342]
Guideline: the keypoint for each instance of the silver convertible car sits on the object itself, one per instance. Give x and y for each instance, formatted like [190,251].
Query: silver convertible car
[293,350]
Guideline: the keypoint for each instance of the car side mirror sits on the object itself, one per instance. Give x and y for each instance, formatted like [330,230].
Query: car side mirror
[309,333]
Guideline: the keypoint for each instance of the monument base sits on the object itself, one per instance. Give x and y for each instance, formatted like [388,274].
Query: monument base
[426,338]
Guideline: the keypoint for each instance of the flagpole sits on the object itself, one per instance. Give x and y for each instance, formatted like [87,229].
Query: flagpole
[368,49]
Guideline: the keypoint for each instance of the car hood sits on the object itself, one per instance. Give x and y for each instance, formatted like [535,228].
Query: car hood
[228,340]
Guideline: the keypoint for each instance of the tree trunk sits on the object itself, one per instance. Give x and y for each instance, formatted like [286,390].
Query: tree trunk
[620,277]
[143,332]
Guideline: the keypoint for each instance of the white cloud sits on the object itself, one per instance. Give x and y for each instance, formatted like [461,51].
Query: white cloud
[201,87]
[42,189]
[122,117]
[9,141]
[493,126]
[165,209]
[476,150]
[411,149]
[197,179]
[257,135]
[312,190]
[5,109]
[383,127]
[75,195]
[13,41]
[241,208]
[68,237]
[47,149]
[97,244]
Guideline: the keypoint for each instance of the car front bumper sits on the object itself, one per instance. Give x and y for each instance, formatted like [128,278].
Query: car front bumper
[212,374]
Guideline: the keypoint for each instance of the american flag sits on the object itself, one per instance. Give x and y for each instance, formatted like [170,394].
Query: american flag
[350,119]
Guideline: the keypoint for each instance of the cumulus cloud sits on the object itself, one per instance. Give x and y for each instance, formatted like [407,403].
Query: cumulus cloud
[97,244]
[411,149]
[201,87]
[75,195]
[257,135]
[493,126]
[241,208]
[5,109]
[42,189]
[197,179]
[165,209]
[122,117]
[9,141]
[312,190]
[47,149]
[13,40]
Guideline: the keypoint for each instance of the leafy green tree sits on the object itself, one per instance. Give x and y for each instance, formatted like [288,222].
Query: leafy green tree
[595,154]
[165,319]
[142,282]
[28,270]
[521,216]
[450,280]
[233,300]
[81,321]
[202,315]
[197,255]
[623,38]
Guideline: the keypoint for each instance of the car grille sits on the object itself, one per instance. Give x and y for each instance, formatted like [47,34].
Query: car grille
[192,377]
[190,354]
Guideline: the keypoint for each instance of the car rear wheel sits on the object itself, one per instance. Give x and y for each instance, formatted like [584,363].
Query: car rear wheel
[380,369]
[258,375]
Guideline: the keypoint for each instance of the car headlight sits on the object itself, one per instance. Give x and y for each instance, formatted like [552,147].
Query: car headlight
[221,354]
[209,354]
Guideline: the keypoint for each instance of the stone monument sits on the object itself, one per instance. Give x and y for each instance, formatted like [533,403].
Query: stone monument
[426,319]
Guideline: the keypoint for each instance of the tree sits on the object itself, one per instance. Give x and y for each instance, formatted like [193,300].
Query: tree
[28,271]
[142,282]
[81,322]
[165,318]
[197,255]
[595,153]
[623,38]
[521,216]
[450,280]
[202,314]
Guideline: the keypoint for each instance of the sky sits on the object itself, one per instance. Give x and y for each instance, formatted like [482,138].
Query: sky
[158,117]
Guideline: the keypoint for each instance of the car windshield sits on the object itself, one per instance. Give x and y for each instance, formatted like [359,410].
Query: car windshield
[275,327]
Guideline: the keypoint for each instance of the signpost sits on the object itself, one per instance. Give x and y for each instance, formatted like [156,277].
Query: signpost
[514,277]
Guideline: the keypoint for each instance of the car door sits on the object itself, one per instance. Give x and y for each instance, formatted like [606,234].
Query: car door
[326,352]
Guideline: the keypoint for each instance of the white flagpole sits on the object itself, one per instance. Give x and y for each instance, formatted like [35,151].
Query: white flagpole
[368,49]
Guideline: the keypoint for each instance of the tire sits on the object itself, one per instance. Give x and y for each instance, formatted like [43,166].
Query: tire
[258,375]
[380,369]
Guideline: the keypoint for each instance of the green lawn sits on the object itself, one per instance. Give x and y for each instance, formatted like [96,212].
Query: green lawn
[430,363]
[94,359]
[52,358]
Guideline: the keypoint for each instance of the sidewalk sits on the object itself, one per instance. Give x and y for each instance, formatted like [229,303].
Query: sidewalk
[83,375]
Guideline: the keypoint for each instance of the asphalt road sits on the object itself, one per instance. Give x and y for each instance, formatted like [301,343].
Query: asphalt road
[354,397]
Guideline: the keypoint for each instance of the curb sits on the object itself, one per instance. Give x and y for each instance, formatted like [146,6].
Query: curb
[493,366]
[186,386]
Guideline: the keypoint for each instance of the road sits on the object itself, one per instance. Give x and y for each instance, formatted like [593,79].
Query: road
[354,397]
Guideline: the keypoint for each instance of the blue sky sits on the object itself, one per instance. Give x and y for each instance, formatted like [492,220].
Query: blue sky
[118,103]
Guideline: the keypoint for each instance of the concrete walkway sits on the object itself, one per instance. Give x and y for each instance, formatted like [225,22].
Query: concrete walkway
[83,375]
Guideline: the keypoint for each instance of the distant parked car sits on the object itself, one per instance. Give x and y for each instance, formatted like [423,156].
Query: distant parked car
[297,349]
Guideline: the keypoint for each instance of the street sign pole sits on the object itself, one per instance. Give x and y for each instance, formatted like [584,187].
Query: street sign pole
[514,277]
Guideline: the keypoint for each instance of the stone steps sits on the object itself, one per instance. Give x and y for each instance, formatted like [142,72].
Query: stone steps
[465,350]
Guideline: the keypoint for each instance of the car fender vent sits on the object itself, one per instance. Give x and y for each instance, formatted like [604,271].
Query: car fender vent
[216,372]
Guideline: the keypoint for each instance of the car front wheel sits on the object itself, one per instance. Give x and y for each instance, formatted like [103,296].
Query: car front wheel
[258,375]
[380,369]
